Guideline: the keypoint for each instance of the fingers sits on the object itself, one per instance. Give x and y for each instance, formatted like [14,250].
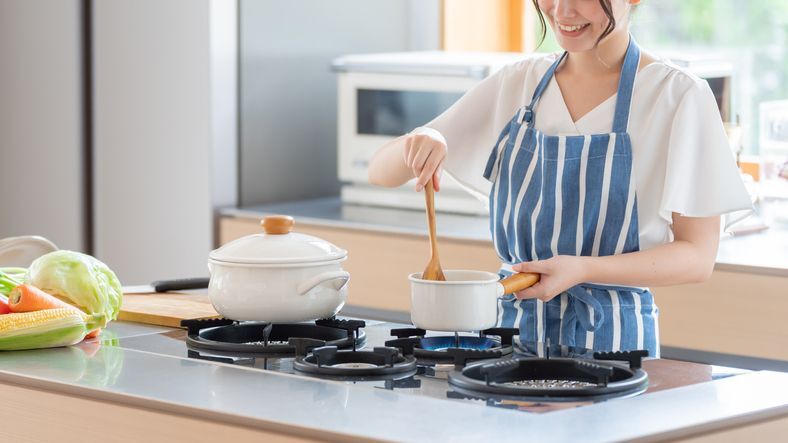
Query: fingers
[538,291]
[423,152]
[424,155]
[421,169]
[537,266]
[429,169]
[436,177]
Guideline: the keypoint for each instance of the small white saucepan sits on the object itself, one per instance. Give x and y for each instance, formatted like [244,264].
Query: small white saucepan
[466,301]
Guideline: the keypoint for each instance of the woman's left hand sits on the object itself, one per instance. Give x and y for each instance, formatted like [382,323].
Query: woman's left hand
[558,274]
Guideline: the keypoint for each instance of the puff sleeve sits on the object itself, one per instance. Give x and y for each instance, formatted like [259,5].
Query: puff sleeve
[701,179]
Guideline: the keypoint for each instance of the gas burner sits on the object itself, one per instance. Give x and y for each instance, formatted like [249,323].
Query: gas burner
[556,377]
[380,361]
[458,349]
[262,338]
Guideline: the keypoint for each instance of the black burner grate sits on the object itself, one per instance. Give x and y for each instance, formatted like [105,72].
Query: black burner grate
[328,360]
[556,377]
[458,349]
[262,338]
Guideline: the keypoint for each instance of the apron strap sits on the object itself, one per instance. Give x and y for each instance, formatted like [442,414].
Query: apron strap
[527,114]
[625,85]
[577,311]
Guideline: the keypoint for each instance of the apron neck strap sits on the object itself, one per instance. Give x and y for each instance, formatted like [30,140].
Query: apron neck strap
[625,85]
[624,94]
[541,87]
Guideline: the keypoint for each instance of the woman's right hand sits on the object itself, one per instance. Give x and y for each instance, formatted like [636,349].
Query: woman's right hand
[424,155]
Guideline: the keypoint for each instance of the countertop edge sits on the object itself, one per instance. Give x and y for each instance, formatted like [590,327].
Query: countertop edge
[156,404]
[725,418]
[717,426]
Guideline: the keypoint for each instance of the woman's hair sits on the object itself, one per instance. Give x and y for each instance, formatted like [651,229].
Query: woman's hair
[605,4]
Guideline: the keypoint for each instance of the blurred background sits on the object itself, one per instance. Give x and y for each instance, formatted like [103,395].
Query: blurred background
[129,129]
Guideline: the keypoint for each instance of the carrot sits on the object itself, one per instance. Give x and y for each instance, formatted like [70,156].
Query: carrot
[94,333]
[27,298]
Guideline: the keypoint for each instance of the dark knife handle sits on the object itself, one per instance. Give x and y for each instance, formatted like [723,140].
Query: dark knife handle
[180,284]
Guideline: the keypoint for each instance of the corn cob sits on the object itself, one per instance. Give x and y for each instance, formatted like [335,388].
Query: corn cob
[47,328]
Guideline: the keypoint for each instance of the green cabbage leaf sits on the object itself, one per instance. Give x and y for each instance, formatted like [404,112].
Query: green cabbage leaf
[79,278]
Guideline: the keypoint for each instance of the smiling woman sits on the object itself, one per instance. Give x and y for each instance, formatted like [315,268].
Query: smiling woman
[607,170]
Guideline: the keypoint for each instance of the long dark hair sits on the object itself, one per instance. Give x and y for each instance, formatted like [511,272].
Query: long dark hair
[605,4]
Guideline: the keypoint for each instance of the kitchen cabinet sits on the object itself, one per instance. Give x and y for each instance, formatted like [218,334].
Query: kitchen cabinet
[67,417]
[734,312]
[763,431]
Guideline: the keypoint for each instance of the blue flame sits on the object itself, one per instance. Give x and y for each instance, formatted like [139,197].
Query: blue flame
[466,342]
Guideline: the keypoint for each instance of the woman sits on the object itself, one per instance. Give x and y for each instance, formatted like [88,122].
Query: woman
[610,170]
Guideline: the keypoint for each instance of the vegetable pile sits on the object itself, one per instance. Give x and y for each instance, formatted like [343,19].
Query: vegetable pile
[34,312]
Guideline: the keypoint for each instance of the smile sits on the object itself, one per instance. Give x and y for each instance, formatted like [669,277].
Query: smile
[571,28]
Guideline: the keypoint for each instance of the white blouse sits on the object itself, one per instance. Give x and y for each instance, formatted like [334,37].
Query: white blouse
[682,160]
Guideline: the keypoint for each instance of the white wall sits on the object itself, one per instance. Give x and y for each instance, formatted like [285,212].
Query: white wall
[164,149]
[41,146]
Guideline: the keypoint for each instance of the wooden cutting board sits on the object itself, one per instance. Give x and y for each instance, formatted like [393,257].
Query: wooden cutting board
[165,309]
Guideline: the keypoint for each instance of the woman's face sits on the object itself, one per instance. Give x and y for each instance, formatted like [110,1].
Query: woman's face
[577,24]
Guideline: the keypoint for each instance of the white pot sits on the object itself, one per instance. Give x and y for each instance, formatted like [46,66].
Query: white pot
[278,276]
[466,301]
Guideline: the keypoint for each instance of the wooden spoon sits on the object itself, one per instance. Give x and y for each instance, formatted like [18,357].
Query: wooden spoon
[433,270]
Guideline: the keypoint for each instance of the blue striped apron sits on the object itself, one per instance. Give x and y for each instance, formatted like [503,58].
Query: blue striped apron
[570,195]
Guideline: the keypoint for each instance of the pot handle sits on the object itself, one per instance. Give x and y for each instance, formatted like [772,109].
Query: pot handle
[517,282]
[340,279]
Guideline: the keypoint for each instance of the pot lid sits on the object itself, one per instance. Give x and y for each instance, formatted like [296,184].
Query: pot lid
[278,245]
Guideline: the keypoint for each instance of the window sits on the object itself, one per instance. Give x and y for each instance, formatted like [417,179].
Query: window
[750,36]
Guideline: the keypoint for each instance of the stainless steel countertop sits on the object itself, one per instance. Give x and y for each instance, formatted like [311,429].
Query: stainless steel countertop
[760,253]
[324,408]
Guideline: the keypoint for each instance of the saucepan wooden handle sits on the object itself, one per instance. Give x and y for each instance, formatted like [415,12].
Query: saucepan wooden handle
[519,281]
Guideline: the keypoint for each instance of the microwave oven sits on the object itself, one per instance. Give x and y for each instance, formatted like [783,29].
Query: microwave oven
[382,96]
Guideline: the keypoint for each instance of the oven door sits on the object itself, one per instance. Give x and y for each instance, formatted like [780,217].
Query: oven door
[374,108]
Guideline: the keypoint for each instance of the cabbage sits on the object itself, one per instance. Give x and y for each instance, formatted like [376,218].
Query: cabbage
[79,278]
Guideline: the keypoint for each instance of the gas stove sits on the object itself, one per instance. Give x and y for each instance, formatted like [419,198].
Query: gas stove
[477,368]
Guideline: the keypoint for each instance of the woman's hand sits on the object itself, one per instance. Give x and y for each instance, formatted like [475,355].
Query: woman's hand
[424,156]
[558,273]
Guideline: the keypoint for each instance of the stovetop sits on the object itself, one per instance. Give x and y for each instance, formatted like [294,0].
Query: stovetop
[427,377]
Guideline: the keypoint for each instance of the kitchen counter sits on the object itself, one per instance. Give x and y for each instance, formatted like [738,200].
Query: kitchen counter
[158,379]
[761,253]
[737,313]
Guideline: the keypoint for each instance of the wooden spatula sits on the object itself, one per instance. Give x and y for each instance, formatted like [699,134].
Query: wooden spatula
[433,270]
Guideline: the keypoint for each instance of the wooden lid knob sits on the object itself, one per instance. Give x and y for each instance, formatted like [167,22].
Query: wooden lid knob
[278,224]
